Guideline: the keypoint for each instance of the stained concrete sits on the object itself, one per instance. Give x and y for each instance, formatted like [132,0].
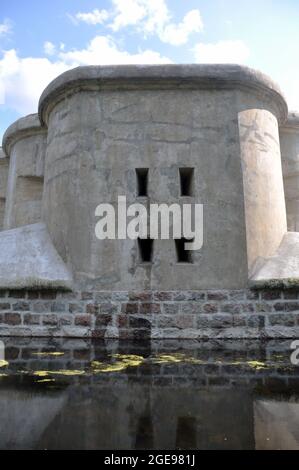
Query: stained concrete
[28,259]
[4,164]
[104,122]
[289,141]
[24,143]
[265,209]
[281,269]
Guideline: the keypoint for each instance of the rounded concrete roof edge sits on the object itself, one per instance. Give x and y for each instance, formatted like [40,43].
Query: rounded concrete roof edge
[292,121]
[161,76]
[23,127]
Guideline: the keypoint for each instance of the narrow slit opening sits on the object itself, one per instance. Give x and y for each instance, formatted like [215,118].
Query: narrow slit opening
[145,249]
[183,255]
[186,181]
[142,181]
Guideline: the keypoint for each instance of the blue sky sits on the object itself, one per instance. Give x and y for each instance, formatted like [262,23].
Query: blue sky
[41,39]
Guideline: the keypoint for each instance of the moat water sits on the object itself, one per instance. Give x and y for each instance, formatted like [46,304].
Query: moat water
[77,394]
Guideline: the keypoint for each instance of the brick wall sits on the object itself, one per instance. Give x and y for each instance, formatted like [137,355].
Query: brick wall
[139,315]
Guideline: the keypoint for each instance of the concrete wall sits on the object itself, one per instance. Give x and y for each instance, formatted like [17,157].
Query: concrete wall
[289,140]
[3,184]
[92,155]
[163,118]
[25,144]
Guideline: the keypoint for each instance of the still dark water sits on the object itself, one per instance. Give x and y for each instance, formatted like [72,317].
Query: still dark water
[76,394]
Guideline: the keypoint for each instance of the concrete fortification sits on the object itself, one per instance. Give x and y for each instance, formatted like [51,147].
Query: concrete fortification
[213,135]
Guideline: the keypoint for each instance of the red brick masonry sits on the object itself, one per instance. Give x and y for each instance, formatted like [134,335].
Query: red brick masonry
[151,314]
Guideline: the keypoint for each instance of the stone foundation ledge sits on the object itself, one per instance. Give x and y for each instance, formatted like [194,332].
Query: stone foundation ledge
[225,314]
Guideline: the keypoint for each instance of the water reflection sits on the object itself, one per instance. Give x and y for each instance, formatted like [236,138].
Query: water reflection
[276,424]
[77,394]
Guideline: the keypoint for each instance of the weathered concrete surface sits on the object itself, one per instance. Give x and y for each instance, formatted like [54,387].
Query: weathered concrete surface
[25,144]
[104,122]
[29,260]
[3,184]
[289,141]
[264,201]
[281,269]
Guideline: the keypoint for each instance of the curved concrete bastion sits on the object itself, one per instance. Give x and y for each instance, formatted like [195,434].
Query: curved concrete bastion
[24,143]
[28,258]
[174,134]
[289,141]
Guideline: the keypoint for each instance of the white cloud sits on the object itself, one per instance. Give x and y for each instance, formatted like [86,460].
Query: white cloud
[5,27]
[103,50]
[2,93]
[222,52]
[95,17]
[179,34]
[147,17]
[24,79]
[293,97]
[49,48]
[127,13]
[289,86]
